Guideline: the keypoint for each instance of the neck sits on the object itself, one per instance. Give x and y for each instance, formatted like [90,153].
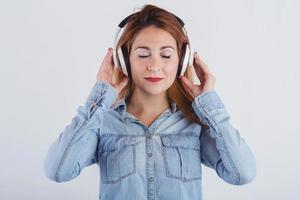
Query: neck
[142,105]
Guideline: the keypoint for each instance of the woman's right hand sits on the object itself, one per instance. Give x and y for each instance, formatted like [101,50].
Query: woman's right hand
[106,72]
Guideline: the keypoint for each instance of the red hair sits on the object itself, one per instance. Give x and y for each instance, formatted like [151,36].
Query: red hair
[152,15]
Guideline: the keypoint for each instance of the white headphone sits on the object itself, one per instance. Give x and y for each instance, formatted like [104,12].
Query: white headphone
[121,55]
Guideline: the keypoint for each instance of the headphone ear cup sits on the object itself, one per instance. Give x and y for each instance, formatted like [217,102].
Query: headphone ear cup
[180,70]
[122,61]
[126,61]
[186,58]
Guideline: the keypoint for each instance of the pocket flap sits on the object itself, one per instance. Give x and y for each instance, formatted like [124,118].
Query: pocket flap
[190,142]
[118,142]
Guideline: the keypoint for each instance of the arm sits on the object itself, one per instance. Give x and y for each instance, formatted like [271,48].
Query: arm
[76,146]
[222,147]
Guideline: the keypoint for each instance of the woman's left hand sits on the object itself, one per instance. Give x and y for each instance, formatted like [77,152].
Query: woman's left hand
[207,79]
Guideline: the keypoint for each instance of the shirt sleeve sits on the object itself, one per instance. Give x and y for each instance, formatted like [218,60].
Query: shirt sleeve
[222,147]
[76,146]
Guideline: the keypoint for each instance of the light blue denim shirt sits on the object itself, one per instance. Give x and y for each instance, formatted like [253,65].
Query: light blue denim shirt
[159,162]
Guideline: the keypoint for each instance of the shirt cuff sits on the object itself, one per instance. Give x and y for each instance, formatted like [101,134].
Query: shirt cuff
[102,94]
[207,104]
[208,101]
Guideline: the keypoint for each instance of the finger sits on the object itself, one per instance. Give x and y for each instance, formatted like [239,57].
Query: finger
[103,65]
[199,73]
[111,57]
[203,67]
[107,64]
[107,56]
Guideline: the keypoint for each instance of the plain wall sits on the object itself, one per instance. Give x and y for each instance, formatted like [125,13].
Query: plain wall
[50,52]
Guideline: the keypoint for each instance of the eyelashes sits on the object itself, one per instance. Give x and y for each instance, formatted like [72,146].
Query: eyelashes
[167,57]
[142,56]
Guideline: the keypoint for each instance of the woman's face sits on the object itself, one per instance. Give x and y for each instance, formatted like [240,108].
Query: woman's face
[156,48]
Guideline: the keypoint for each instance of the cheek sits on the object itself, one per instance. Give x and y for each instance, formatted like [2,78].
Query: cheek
[137,70]
[135,65]
[171,69]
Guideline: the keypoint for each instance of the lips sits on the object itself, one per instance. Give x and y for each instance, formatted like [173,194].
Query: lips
[153,79]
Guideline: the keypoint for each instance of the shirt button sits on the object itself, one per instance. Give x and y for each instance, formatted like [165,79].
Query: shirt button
[150,154]
[151,179]
[148,134]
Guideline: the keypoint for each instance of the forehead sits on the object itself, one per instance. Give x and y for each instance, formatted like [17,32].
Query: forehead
[154,37]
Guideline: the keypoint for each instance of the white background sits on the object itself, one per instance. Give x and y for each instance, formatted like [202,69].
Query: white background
[50,52]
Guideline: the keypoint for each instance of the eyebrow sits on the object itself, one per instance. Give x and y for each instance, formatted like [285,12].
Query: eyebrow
[147,48]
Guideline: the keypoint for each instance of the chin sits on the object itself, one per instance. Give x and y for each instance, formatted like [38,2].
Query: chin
[152,89]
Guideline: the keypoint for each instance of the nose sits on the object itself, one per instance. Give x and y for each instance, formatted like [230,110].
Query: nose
[155,63]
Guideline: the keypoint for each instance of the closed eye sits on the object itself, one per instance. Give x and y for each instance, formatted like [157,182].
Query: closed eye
[142,56]
[168,57]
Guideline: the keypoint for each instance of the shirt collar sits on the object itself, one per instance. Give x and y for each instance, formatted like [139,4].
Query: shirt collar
[121,108]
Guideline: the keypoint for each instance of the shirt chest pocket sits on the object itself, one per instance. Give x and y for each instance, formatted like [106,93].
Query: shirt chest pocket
[117,160]
[181,156]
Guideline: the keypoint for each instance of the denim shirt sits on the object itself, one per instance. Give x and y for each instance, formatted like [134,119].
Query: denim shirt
[159,162]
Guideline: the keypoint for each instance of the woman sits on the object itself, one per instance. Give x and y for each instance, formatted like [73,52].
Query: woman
[150,137]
